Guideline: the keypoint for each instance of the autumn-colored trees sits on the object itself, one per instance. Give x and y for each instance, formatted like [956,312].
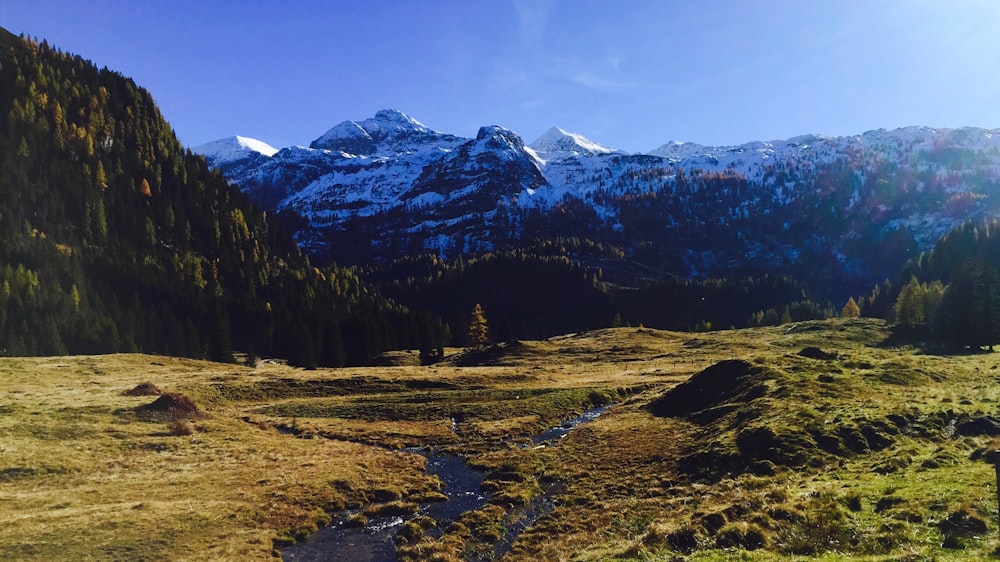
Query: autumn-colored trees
[851,309]
[479,333]
[113,237]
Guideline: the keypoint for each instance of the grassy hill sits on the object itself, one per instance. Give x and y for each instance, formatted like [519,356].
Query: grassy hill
[804,441]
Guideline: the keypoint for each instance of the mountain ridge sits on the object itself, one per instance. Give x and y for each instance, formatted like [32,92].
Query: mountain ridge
[837,207]
[670,149]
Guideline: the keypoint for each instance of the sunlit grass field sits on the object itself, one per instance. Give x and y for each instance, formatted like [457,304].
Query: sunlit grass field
[863,453]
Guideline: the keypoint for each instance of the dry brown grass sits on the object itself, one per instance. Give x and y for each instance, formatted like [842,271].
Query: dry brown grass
[82,477]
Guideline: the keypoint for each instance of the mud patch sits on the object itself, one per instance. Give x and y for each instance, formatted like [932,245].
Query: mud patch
[812,352]
[169,407]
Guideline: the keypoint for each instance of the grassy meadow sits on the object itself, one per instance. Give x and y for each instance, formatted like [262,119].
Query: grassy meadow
[864,450]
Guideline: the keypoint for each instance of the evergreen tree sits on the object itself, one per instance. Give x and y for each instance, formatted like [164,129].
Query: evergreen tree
[113,237]
[786,316]
[933,293]
[969,313]
[909,308]
[220,346]
[478,330]
[851,309]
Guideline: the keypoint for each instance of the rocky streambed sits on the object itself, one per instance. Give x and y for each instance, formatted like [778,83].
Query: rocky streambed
[376,540]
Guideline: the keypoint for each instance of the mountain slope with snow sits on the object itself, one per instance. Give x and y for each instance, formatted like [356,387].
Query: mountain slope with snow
[389,133]
[557,143]
[844,209]
[232,149]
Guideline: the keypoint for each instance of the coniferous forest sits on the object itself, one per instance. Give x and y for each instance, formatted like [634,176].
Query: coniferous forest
[116,238]
[952,295]
[549,288]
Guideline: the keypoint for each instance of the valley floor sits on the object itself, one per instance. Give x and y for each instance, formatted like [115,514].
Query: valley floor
[819,442]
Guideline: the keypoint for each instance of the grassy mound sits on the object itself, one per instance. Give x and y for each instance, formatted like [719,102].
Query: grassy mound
[711,393]
[169,407]
[143,389]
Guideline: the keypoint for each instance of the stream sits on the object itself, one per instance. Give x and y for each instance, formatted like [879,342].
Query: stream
[375,542]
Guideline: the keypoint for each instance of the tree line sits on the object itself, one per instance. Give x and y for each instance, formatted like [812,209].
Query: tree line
[952,296]
[563,285]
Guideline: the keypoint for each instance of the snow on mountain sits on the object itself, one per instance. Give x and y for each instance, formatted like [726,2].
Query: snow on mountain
[678,150]
[389,185]
[558,143]
[233,148]
[495,165]
[752,158]
[388,133]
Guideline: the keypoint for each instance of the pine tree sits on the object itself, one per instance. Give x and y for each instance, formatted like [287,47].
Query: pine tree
[933,293]
[479,333]
[851,309]
[969,313]
[220,346]
[113,237]
[909,308]
[786,316]
[617,321]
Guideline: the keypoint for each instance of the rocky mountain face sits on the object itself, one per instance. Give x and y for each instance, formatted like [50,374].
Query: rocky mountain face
[844,211]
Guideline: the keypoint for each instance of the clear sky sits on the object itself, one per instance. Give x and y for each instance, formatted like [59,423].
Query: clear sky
[631,74]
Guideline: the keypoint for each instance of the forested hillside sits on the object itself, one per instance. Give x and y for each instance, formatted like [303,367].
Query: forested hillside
[113,237]
[839,214]
[569,284]
[952,296]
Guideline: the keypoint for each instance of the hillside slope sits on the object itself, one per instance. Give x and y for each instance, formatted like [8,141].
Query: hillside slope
[834,212]
[113,237]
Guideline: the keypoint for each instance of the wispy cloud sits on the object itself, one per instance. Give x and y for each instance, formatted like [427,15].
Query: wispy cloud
[531,64]
[596,81]
[533,18]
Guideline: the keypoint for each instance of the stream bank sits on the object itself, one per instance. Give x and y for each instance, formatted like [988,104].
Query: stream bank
[376,541]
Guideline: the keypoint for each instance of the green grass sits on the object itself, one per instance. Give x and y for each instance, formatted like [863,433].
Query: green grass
[856,457]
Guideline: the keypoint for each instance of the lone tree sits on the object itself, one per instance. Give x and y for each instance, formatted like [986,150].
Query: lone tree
[479,332]
[851,309]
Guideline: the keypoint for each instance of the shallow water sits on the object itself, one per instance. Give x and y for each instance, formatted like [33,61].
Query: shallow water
[376,541]
[560,431]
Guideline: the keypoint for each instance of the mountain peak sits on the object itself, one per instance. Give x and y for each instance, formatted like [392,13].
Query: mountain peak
[381,134]
[498,137]
[678,150]
[396,116]
[557,140]
[231,149]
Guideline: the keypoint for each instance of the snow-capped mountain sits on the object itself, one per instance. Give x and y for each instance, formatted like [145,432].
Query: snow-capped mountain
[848,209]
[234,148]
[557,144]
[389,133]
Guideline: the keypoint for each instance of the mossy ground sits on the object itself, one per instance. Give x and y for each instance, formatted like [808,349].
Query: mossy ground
[860,455]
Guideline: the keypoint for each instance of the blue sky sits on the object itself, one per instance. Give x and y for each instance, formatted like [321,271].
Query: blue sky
[629,74]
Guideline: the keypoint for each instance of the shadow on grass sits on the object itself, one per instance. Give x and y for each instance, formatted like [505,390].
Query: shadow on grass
[922,339]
